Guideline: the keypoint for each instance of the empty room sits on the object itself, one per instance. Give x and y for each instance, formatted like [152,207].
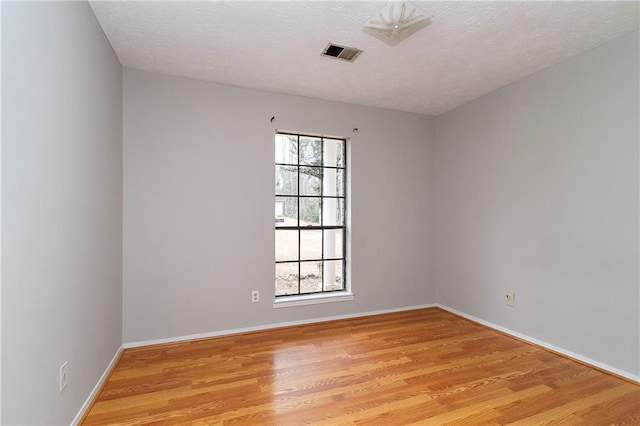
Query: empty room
[320,212]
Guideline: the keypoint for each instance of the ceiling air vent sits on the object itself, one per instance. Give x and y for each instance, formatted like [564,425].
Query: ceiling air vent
[341,52]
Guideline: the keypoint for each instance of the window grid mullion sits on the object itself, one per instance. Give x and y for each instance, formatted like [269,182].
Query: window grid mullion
[322,211]
[312,166]
[299,228]
[308,260]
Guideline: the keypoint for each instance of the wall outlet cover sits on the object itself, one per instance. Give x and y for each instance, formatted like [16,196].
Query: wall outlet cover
[64,376]
[510,299]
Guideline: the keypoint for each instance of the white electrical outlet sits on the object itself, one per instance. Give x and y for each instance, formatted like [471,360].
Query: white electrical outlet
[63,376]
[255,296]
[510,299]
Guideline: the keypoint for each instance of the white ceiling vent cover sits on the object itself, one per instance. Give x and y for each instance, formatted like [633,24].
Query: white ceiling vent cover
[345,53]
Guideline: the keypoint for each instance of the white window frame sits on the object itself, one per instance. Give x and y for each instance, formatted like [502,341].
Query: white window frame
[344,294]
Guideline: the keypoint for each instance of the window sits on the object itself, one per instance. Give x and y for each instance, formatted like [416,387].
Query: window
[310,202]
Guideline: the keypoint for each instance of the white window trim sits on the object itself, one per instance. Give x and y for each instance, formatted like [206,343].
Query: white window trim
[313,299]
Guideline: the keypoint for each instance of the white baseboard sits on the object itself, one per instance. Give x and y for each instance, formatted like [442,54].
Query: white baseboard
[546,345]
[97,387]
[269,326]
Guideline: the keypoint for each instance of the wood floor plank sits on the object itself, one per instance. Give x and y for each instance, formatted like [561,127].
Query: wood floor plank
[566,411]
[426,367]
[470,411]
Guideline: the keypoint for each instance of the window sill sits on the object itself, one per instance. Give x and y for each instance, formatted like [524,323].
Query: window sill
[312,299]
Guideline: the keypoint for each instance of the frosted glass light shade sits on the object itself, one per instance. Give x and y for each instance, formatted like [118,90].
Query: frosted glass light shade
[397,20]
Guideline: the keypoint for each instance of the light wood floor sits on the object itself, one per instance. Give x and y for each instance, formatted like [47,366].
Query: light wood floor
[425,366]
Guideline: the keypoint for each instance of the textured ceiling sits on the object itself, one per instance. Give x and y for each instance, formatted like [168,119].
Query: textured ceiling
[469,49]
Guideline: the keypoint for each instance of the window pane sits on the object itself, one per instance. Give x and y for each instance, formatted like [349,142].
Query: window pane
[310,151]
[332,243]
[286,245]
[286,180]
[333,182]
[333,153]
[286,278]
[332,275]
[286,149]
[310,180]
[310,277]
[286,211]
[309,211]
[333,211]
[340,182]
[310,245]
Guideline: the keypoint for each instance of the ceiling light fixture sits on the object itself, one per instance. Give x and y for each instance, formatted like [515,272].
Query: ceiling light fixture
[398,20]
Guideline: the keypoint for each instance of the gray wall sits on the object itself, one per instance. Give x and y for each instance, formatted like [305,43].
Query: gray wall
[198,205]
[538,194]
[62,202]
